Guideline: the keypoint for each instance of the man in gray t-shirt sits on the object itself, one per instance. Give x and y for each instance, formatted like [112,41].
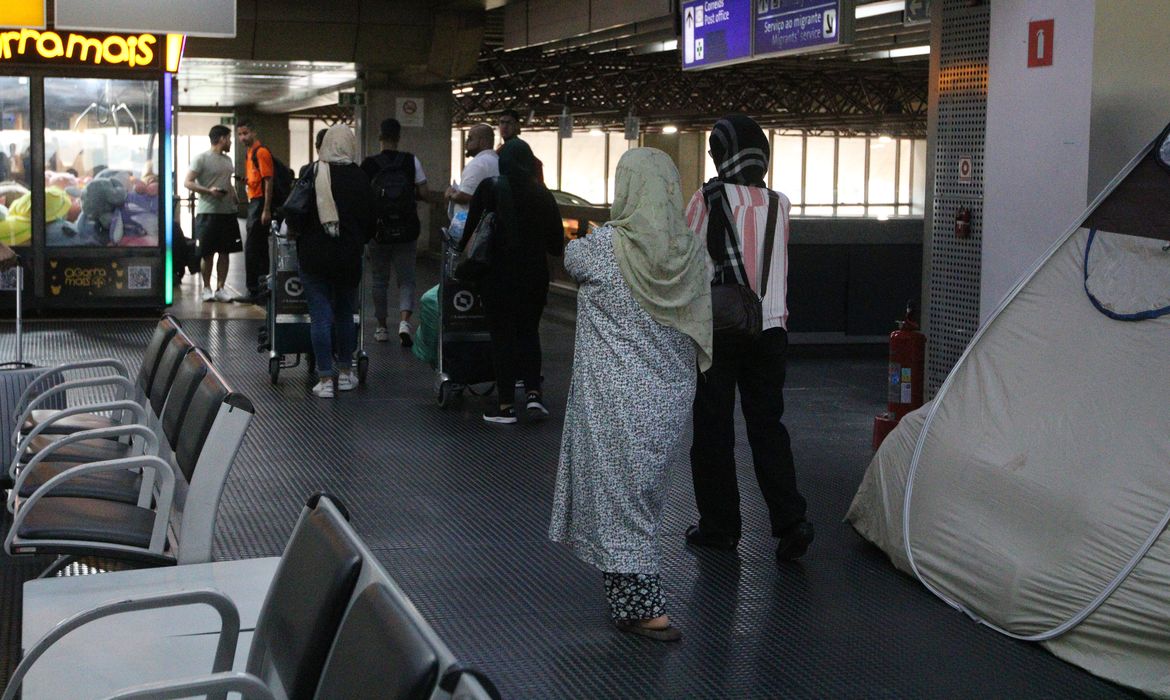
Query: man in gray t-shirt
[216,225]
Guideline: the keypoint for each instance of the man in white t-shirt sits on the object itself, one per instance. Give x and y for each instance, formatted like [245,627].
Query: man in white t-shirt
[485,163]
[216,226]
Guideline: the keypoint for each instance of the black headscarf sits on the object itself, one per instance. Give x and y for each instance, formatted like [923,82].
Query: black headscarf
[516,181]
[739,149]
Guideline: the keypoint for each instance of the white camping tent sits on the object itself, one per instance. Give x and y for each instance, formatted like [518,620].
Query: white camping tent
[1033,492]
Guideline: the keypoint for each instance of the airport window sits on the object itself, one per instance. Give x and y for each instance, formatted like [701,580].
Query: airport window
[883,162]
[787,166]
[618,145]
[458,141]
[851,173]
[583,169]
[844,176]
[546,146]
[819,176]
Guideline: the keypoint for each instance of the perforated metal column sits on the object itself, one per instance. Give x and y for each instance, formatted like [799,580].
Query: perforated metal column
[962,123]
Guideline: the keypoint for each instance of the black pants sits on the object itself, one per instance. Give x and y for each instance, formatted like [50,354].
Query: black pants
[757,368]
[255,247]
[514,323]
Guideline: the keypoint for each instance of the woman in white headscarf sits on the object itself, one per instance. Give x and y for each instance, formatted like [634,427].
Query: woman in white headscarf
[330,257]
[643,323]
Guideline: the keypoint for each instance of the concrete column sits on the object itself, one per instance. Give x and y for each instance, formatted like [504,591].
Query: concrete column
[1036,157]
[431,141]
[687,150]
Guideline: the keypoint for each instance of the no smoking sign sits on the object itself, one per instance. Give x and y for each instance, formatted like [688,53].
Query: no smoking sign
[965,168]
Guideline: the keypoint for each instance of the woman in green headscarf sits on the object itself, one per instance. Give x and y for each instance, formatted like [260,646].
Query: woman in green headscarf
[528,227]
[643,323]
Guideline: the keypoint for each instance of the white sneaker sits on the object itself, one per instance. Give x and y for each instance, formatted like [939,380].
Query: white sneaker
[222,294]
[207,294]
[381,334]
[404,334]
[347,381]
[324,388]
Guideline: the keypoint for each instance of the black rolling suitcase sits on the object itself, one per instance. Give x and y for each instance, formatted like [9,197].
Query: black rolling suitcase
[15,377]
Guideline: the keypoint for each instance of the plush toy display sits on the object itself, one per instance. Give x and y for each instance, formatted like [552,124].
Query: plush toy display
[16,228]
[102,198]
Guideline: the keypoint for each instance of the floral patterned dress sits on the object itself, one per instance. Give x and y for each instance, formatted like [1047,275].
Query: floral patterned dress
[630,397]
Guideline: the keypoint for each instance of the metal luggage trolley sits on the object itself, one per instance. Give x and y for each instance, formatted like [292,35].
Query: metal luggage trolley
[287,313]
[464,353]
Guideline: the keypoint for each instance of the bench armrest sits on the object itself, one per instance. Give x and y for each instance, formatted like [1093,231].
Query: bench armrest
[224,653]
[29,391]
[215,685]
[126,386]
[151,448]
[137,413]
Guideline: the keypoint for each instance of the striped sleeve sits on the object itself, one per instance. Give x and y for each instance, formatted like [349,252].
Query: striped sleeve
[697,222]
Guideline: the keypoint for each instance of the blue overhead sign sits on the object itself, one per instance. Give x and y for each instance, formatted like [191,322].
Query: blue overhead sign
[716,32]
[799,26]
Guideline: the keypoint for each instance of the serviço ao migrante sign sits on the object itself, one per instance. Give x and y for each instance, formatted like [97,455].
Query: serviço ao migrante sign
[47,47]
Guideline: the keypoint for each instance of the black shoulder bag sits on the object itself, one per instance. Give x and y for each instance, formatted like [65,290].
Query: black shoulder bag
[735,309]
[300,209]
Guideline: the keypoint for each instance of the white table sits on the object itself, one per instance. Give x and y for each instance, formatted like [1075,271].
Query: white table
[139,647]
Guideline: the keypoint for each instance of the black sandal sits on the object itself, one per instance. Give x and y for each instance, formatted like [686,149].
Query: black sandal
[670,633]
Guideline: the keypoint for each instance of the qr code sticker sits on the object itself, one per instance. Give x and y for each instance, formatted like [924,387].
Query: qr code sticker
[8,280]
[138,277]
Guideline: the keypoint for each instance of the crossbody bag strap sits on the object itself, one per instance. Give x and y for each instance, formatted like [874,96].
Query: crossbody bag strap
[769,239]
[731,240]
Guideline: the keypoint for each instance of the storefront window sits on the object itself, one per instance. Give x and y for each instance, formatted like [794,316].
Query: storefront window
[15,200]
[101,162]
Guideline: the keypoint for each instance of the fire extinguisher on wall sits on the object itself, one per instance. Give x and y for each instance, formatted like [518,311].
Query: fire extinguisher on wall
[907,373]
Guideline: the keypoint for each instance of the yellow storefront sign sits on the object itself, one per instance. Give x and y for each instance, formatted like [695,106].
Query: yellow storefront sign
[28,43]
[23,13]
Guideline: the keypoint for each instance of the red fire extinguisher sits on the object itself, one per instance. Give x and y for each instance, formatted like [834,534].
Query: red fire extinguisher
[907,372]
[907,365]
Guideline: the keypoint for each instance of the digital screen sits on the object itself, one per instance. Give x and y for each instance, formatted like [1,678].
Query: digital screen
[716,32]
[797,26]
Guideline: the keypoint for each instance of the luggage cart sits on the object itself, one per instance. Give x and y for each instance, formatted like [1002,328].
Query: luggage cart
[287,313]
[464,352]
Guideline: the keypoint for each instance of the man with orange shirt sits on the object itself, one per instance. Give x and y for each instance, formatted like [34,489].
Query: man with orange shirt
[259,171]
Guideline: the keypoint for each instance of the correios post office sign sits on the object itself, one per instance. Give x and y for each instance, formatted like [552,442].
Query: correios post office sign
[48,47]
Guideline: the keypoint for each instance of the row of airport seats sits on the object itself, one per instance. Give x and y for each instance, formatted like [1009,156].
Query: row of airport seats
[333,624]
[133,474]
[132,470]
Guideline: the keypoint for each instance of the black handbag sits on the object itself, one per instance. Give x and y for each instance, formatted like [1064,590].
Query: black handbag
[472,263]
[299,211]
[735,309]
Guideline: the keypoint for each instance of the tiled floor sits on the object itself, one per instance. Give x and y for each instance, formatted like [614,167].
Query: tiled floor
[458,513]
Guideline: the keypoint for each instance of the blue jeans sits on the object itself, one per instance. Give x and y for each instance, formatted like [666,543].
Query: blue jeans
[331,310]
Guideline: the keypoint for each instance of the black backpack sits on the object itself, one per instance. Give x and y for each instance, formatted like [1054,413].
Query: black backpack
[394,191]
[282,177]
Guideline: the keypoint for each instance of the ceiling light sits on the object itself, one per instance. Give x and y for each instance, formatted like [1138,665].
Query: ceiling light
[670,129]
[884,139]
[874,9]
[910,51]
[596,132]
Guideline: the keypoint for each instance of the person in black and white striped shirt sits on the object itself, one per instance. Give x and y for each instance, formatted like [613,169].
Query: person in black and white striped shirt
[731,214]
